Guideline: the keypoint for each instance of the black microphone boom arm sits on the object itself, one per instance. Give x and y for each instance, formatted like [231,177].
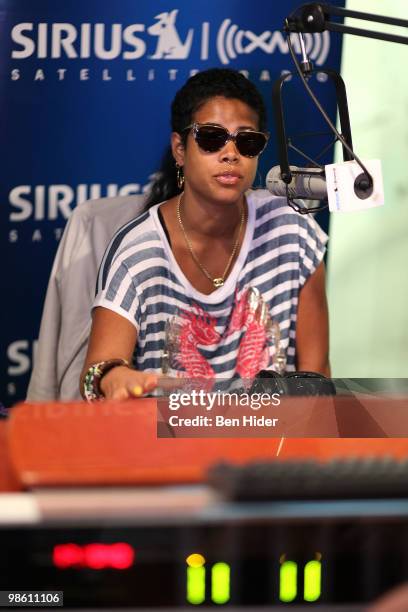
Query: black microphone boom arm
[342,105]
[311,18]
[315,17]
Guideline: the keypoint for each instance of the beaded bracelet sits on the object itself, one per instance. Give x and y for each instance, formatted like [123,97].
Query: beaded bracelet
[94,375]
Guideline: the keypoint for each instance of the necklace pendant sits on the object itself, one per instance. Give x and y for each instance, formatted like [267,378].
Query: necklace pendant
[218,282]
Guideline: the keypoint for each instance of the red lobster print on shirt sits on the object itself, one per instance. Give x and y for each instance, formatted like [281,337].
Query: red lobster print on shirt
[196,328]
[199,328]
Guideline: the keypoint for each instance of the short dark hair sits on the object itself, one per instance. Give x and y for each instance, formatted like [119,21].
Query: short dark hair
[195,92]
[210,83]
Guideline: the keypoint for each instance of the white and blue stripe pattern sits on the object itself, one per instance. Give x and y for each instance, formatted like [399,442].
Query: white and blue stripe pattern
[140,279]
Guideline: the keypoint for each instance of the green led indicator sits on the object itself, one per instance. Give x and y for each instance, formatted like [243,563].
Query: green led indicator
[196,585]
[288,581]
[220,583]
[312,581]
[195,579]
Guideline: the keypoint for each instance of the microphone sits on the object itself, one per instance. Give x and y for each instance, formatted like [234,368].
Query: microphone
[346,188]
[352,185]
[306,183]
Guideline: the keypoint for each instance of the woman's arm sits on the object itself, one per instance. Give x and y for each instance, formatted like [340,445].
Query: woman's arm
[312,329]
[114,337]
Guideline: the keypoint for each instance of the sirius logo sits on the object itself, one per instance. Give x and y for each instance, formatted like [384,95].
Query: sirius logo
[56,40]
[112,41]
[105,42]
[43,203]
[21,354]
[169,45]
[231,42]
[51,202]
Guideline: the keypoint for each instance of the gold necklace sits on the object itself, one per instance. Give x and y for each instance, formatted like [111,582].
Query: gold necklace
[220,280]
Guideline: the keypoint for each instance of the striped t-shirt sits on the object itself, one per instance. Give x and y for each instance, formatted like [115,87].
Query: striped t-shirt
[229,332]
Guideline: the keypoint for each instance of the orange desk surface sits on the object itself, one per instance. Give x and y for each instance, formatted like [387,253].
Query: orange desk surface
[115,443]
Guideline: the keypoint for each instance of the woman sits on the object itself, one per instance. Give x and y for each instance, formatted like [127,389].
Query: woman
[199,282]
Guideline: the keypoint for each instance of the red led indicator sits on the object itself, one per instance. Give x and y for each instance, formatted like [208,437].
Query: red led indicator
[96,556]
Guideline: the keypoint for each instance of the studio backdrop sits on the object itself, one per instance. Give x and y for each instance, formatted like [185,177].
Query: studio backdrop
[85,91]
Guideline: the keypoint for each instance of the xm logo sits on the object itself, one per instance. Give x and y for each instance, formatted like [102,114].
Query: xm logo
[231,42]
[169,44]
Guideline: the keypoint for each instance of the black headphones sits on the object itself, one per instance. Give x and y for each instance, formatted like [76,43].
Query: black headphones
[293,383]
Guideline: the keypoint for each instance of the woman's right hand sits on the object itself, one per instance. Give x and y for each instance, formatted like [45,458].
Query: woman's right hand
[114,337]
[123,382]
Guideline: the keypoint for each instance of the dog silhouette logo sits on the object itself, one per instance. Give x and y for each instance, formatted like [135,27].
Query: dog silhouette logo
[169,45]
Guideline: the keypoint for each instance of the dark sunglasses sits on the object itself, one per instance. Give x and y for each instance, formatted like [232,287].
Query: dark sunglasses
[212,138]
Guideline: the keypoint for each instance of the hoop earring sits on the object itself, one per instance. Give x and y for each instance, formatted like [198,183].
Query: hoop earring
[180,176]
